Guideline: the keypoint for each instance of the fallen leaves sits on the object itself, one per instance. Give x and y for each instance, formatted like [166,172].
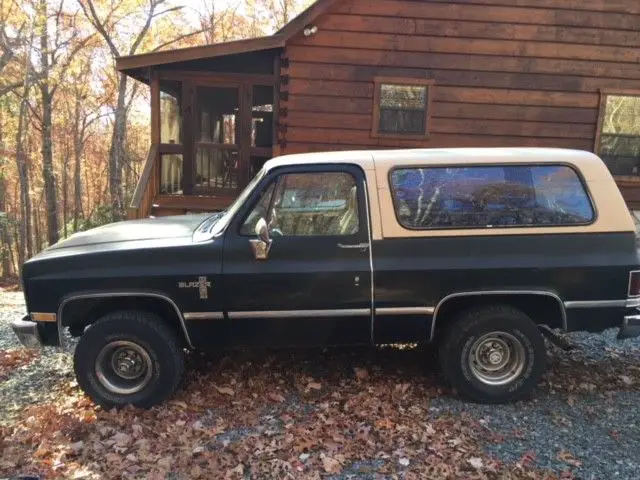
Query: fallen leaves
[627,380]
[578,373]
[15,358]
[331,465]
[298,418]
[313,386]
[361,373]
[276,397]
[225,391]
[569,458]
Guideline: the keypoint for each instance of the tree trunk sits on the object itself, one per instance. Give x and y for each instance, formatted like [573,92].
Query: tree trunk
[117,151]
[65,185]
[47,142]
[78,143]
[5,236]
[47,167]
[36,224]
[26,246]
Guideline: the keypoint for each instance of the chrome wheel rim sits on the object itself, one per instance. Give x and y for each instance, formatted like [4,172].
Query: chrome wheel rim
[123,367]
[497,358]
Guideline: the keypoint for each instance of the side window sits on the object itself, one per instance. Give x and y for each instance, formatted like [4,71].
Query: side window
[261,210]
[315,204]
[491,196]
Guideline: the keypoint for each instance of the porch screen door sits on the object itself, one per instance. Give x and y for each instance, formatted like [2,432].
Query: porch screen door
[218,131]
[227,134]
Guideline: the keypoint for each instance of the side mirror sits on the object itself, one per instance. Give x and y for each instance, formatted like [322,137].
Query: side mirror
[262,244]
[262,230]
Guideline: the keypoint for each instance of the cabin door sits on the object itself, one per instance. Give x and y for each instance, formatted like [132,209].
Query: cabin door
[230,129]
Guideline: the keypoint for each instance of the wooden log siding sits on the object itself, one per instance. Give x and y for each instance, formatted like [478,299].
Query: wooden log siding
[507,72]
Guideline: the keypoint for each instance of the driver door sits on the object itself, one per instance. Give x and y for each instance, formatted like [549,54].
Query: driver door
[314,287]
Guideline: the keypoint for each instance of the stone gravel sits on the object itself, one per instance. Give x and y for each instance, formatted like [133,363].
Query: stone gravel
[592,434]
[592,431]
[32,383]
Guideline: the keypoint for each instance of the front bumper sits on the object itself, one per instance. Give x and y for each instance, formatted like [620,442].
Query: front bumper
[630,326]
[27,332]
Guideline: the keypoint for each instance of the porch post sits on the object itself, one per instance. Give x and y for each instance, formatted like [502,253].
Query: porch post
[154,178]
[244,142]
[189,117]
[154,84]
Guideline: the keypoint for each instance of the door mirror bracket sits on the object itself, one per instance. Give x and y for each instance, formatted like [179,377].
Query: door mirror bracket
[262,244]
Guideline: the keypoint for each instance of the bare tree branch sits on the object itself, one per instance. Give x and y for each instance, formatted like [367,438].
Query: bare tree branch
[93,18]
[177,39]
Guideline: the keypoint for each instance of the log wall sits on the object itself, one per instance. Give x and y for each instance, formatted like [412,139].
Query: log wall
[507,72]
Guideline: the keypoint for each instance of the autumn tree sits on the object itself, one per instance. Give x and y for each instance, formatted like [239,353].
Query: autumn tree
[222,22]
[13,37]
[74,132]
[105,18]
[281,12]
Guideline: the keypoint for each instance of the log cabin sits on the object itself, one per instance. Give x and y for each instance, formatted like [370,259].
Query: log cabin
[375,74]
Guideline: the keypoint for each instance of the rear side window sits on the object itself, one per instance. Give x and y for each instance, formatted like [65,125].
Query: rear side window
[490,196]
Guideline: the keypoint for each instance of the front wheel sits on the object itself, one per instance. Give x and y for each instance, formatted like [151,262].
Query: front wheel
[129,358]
[493,354]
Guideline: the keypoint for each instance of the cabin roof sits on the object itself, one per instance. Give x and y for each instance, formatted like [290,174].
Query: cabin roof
[277,40]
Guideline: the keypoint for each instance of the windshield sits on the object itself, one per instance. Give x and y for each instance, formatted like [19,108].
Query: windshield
[216,223]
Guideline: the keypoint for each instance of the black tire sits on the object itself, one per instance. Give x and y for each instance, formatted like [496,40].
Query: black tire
[467,364]
[129,333]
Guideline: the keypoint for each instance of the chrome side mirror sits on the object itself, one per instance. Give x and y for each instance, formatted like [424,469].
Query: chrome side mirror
[262,244]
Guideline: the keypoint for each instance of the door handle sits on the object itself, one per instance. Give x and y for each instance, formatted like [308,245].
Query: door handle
[360,246]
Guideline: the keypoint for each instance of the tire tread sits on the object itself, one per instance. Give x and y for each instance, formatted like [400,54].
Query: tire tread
[138,321]
[472,318]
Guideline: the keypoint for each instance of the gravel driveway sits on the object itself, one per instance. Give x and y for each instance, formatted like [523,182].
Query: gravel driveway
[583,420]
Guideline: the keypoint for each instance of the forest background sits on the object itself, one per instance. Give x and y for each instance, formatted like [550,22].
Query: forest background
[74,133]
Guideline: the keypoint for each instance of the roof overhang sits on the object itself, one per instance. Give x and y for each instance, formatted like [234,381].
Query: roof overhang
[131,65]
[123,64]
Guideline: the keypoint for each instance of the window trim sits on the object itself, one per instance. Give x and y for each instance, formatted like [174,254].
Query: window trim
[602,108]
[276,180]
[401,81]
[577,171]
[254,204]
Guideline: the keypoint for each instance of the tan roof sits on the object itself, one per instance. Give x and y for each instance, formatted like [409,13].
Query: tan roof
[441,156]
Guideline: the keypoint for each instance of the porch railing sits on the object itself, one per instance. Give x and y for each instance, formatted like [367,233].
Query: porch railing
[147,188]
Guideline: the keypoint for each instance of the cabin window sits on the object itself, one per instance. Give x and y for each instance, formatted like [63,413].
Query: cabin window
[619,126]
[401,107]
[490,197]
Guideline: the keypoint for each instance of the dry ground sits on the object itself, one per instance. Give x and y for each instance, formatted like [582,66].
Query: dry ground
[338,414]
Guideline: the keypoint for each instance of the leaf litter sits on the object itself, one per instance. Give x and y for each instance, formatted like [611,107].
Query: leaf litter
[309,416]
[333,414]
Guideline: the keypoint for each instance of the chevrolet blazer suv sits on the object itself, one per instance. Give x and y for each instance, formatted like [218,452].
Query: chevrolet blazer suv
[479,251]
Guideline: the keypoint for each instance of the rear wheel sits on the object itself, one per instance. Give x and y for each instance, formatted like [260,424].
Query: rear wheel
[493,354]
[129,357]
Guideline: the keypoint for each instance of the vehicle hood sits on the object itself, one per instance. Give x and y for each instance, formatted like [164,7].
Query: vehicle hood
[135,231]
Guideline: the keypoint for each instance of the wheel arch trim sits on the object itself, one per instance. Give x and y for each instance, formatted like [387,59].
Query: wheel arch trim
[131,294]
[452,296]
